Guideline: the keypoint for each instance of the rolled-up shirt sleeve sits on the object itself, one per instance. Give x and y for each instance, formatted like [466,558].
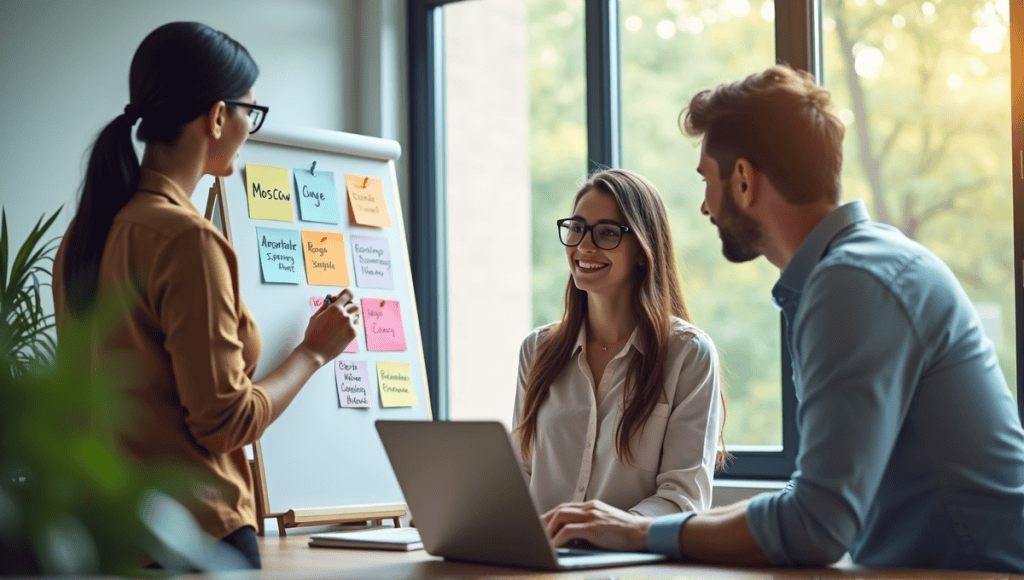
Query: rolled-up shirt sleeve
[690,447]
[858,359]
[199,307]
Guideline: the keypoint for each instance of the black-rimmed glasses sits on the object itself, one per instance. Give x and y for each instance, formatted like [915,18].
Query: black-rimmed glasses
[257,113]
[604,235]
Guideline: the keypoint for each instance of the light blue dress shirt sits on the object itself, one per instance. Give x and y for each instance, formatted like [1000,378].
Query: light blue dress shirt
[911,450]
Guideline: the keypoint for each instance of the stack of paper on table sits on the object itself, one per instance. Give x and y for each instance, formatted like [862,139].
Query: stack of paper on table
[376,539]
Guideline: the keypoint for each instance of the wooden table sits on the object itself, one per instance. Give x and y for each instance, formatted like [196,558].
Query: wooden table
[291,557]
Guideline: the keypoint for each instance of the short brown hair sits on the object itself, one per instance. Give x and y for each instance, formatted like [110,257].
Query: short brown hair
[780,121]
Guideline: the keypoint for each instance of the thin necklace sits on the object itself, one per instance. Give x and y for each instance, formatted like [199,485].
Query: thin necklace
[605,348]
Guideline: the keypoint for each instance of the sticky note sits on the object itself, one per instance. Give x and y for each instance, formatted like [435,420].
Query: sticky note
[367,206]
[315,302]
[395,381]
[353,382]
[325,258]
[371,259]
[318,196]
[280,255]
[269,193]
[382,321]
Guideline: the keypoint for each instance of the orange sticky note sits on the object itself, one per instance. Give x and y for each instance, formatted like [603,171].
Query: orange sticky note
[325,258]
[366,203]
[269,192]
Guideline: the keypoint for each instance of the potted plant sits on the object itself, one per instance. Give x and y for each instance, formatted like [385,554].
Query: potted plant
[25,328]
[70,503]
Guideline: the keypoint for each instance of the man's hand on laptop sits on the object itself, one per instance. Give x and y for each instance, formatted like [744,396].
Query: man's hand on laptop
[598,523]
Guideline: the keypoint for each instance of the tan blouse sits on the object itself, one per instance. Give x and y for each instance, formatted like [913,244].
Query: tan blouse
[574,455]
[188,348]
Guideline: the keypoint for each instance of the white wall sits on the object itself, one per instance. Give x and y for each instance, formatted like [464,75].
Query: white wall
[331,64]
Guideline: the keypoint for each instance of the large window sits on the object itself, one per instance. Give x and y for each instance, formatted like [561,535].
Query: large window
[924,90]
[515,152]
[516,101]
[558,141]
[671,50]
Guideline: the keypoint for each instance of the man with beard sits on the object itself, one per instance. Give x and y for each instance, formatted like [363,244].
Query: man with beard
[911,451]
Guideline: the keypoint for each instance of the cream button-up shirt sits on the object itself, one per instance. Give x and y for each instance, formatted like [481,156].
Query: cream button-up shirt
[574,455]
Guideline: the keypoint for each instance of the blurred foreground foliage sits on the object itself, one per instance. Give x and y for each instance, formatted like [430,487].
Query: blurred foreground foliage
[70,502]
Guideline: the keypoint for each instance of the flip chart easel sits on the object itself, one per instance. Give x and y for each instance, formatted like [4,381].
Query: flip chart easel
[302,474]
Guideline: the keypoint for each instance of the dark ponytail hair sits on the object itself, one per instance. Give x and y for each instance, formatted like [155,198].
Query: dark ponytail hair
[179,71]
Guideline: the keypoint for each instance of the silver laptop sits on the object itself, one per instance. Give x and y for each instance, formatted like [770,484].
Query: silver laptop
[470,500]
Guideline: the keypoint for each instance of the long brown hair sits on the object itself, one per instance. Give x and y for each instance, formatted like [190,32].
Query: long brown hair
[657,296]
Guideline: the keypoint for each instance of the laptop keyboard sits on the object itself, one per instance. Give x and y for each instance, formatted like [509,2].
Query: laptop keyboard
[575,552]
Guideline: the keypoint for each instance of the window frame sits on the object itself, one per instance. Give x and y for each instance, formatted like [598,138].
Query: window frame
[428,251]
[797,42]
[1017,138]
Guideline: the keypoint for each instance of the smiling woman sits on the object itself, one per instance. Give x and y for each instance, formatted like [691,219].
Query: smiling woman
[624,385]
[603,261]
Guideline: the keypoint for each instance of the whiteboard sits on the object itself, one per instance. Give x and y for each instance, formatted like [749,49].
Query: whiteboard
[319,454]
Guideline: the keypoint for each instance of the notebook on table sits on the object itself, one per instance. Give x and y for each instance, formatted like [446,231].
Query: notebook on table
[401,539]
[468,494]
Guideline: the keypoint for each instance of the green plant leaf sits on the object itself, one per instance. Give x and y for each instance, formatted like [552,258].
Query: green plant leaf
[100,463]
[24,324]
[25,258]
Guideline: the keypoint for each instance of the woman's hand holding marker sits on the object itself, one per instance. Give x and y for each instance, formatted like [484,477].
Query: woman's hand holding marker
[332,328]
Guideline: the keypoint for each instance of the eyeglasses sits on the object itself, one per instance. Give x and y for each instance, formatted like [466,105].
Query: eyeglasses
[257,113]
[604,235]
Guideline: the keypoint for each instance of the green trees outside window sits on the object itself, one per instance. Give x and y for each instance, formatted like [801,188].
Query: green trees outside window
[923,88]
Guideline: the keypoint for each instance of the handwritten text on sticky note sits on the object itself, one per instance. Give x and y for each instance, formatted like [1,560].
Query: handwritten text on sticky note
[367,206]
[325,258]
[371,259]
[318,196]
[382,320]
[315,302]
[395,381]
[280,255]
[269,193]
[354,388]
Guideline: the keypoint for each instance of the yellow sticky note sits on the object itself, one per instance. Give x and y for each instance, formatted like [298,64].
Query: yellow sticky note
[325,258]
[366,203]
[269,191]
[395,383]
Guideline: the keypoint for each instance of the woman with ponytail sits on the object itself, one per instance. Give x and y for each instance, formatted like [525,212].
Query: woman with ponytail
[138,242]
[620,401]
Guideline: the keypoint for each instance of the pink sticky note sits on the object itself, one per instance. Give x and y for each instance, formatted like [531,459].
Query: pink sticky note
[382,320]
[315,302]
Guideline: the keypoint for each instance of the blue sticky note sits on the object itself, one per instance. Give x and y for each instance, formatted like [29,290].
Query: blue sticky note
[318,196]
[280,255]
